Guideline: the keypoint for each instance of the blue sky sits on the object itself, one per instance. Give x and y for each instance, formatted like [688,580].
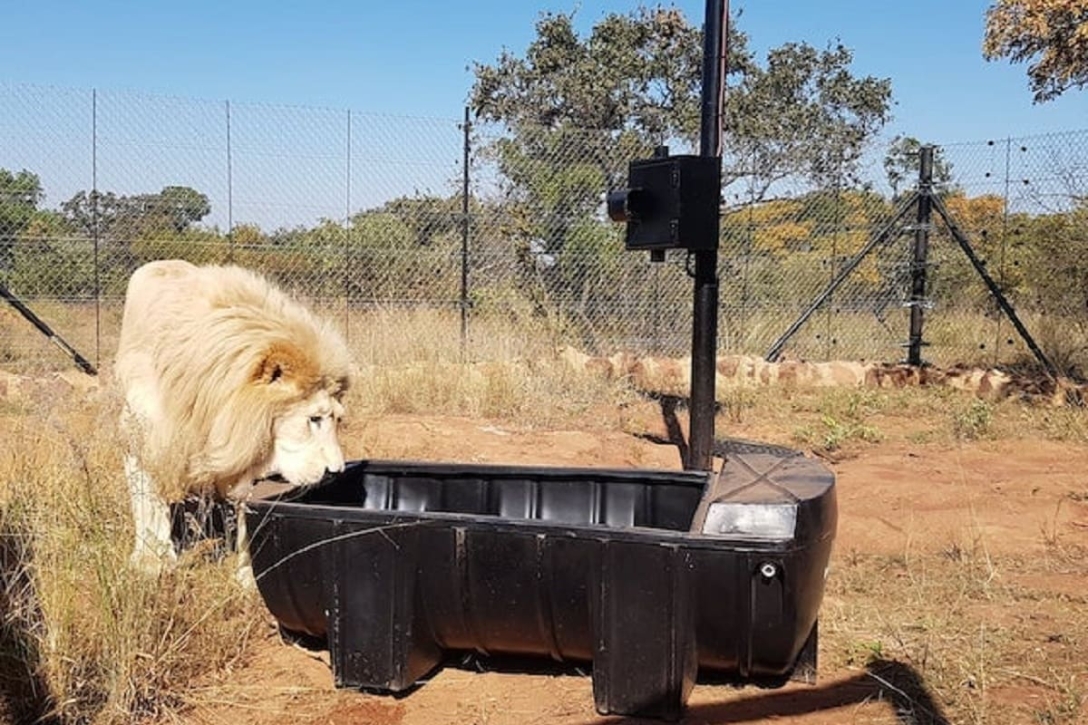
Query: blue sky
[413,57]
[163,73]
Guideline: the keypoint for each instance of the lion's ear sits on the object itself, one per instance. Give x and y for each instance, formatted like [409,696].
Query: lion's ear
[270,370]
[284,363]
[275,365]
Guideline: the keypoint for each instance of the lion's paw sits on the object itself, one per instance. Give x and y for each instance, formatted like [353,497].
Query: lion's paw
[151,564]
[244,576]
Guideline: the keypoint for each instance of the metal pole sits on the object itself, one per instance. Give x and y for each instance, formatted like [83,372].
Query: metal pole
[704,338]
[1004,236]
[742,328]
[466,152]
[920,255]
[43,328]
[230,190]
[345,272]
[655,271]
[95,230]
[828,338]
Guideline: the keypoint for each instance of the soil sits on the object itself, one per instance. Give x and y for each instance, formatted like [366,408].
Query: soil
[893,496]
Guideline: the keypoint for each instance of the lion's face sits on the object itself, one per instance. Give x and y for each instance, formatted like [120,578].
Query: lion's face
[306,444]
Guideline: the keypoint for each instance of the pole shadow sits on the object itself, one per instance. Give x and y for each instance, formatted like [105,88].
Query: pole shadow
[674,432]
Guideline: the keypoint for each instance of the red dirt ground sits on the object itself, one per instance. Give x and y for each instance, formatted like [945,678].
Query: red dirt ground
[892,496]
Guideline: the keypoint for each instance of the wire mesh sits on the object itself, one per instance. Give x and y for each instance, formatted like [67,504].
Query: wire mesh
[363,213]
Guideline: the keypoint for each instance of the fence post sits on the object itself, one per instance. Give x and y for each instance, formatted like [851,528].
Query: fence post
[230,191]
[466,128]
[345,279]
[920,254]
[95,231]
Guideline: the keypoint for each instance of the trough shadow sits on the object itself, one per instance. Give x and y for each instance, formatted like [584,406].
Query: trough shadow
[887,681]
[24,694]
[203,524]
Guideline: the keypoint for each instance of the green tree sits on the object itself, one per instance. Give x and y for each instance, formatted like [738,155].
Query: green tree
[118,218]
[182,206]
[804,115]
[428,217]
[48,261]
[20,194]
[1057,267]
[901,165]
[639,71]
[1050,35]
[385,263]
[96,213]
[579,108]
[130,229]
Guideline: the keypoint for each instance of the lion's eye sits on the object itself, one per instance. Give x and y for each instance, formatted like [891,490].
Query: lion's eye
[316,419]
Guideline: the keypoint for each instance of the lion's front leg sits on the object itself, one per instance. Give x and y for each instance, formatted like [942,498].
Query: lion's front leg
[244,572]
[153,548]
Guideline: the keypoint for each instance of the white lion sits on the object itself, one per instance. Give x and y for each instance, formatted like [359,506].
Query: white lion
[226,381]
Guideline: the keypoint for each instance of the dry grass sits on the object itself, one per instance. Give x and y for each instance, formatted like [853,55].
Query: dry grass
[979,634]
[85,640]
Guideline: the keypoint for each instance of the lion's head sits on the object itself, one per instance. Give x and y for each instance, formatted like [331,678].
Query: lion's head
[302,415]
[278,411]
[305,442]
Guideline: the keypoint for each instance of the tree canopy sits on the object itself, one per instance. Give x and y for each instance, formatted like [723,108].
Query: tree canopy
[121,217]
[804,114]
[634,83]
[20,194]
[638,71]
[901,165]
[1050,35]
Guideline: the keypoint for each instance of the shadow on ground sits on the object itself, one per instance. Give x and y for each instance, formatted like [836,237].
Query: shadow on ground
[674,432]
[897,685]
[24,695]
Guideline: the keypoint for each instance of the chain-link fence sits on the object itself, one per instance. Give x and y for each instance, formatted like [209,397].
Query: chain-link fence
[475,231]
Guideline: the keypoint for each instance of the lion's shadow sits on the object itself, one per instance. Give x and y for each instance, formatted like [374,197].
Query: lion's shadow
[24,692]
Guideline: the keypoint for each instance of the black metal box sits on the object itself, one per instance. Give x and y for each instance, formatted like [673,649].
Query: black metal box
[674,202]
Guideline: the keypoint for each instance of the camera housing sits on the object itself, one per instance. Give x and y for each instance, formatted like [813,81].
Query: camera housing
[671,202]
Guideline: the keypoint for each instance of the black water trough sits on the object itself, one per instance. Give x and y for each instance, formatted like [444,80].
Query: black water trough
[651,576]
